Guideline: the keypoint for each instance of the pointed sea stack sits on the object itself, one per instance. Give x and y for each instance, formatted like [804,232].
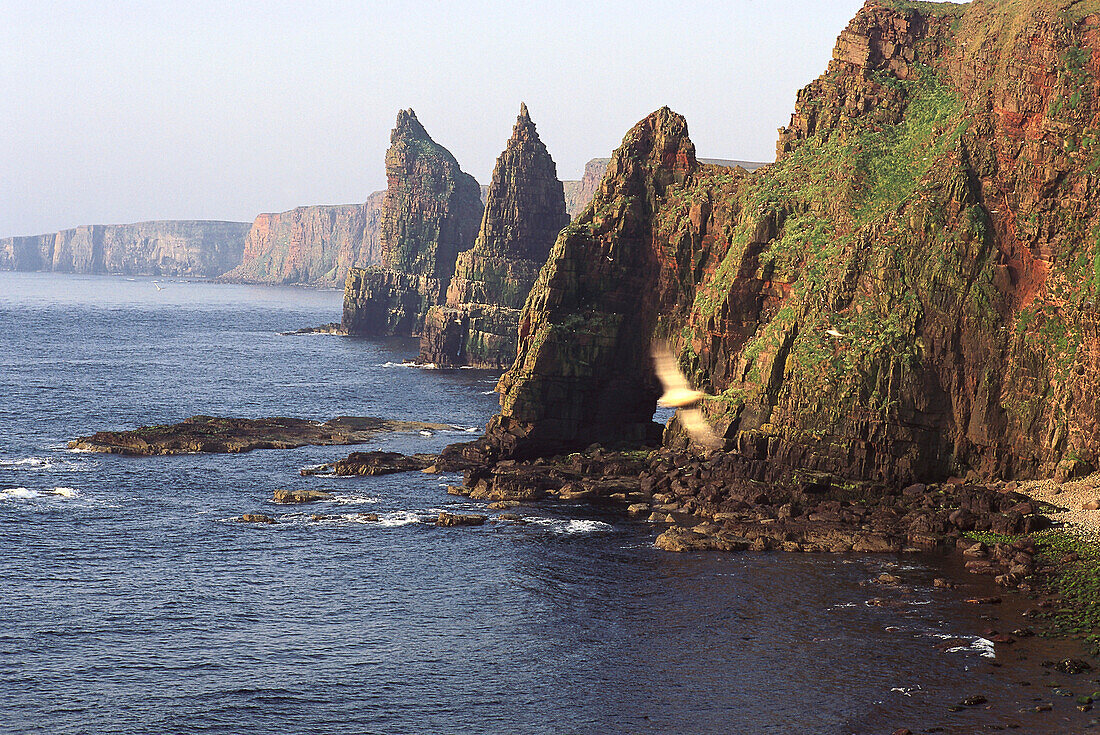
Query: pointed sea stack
[524,213]
[583,372]
[430,214]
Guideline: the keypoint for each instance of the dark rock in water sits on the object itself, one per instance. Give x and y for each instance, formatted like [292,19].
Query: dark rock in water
[430,214]
[1072,666]
[256,518]
[973,701]
[300,496]
[332,328]
[231,435]
[460,519]
[525,210]
[382,463]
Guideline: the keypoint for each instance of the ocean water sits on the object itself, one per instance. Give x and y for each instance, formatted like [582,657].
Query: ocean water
[131,601]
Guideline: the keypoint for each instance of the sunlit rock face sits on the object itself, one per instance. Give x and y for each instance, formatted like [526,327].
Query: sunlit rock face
[525,210]
[909,292]
[430,213]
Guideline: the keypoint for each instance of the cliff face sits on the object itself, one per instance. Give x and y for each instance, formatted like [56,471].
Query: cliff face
[312,245]
[524,212]
[430,213]
[910,291]
[177,248]
[578,194]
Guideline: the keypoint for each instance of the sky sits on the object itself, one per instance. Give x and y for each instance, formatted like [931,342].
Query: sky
[119,111]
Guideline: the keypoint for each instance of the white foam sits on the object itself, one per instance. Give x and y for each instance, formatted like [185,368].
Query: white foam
[422,366]
[44,464]
[488,392]
[571,525]
[398,518]
[354,499]
[22,493]
[981,646]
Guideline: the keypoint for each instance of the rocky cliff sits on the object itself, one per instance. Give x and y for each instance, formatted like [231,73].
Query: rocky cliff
[312,245]
[525,210]
[909,292]
[176,248]
[578,194]
[430,213]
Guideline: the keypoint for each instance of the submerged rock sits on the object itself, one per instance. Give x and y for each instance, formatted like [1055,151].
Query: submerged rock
[256,518]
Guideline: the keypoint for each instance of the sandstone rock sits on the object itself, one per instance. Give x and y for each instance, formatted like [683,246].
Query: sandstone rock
[300,496]
[256,518]
[525,210]
[382,463]
[810,301]
[430,214]
[311,245]
[212,434]
[460,519]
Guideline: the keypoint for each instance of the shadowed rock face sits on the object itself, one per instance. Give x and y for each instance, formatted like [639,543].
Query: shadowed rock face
[312,245]
[430,213]
[168,248]
[524,212]
[908,292]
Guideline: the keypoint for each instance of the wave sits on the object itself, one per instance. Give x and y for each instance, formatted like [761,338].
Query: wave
[44,464]
[422,366]
[23,493]
[569,525]
[354,499]
[398,518]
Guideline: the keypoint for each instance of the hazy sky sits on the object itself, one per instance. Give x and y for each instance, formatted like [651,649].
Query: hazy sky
[116,111]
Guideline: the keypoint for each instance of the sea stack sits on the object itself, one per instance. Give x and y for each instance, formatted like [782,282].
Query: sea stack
[430,213]
[524,212]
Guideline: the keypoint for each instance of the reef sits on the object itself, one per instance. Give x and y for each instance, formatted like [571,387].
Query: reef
[211,434]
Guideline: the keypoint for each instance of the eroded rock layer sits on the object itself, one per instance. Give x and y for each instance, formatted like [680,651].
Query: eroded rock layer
[167,248]
[909,292]
[525,210]
[430,213]
[312,245]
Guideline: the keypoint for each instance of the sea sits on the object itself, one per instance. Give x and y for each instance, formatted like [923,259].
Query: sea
[132,600]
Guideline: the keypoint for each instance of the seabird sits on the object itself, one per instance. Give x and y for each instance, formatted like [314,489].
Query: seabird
[679,394]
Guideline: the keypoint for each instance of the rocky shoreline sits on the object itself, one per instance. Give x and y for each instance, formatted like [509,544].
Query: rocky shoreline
[725,502]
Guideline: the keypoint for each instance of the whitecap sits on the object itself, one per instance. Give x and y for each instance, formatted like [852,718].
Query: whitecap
[398,518]
[44,464]
[422,366]
[488,392]
[981,646]
[571,525]
[354,499]
[23,493]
